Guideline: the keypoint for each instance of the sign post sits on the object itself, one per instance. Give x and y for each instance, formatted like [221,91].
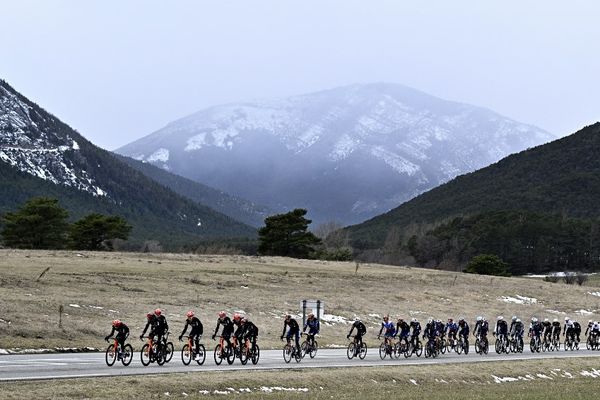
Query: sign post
[317,307]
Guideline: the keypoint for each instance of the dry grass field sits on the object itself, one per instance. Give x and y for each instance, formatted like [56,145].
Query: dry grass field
[573,379]
[94,288]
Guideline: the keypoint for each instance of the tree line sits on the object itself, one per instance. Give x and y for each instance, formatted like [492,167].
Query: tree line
[41,223]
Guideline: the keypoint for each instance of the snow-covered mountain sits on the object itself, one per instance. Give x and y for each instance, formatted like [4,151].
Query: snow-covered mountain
[345,154]
[42,156]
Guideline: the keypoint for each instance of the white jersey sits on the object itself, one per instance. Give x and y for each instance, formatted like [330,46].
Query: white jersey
[596,327]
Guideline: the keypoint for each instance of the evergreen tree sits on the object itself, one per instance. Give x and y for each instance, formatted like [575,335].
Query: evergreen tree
[287,235]
[40,224]
[487,264]
[96,232]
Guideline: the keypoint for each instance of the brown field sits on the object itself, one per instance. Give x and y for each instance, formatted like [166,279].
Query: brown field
[94,288]
[573,379]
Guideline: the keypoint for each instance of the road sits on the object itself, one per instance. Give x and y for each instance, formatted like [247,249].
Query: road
[55,366]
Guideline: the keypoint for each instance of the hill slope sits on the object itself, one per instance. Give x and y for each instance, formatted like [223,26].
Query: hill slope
[235,207]
[559,177]
[40,155]
[345,154]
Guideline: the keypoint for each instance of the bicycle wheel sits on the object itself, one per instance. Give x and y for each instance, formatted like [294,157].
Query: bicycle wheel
[200,354]
[244,355]
[287,353]
[169,350]
[304,348]
[351,351]
[382,351]
[217,355]
[363,351]
[255,355]
[298,357]
[230,355]
[588,343]
[186,354]
[145,355]
[443,344]
[427,351]
[313,349]
[160,355]
[419,349]
[127,355]
[532,345]
[498,346]
[459,347]
[111,355]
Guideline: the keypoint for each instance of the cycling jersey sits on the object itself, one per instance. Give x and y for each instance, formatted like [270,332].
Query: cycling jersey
[501,328]
[122,333]
[227,327]
[361,329]
[196,327]
[312,325]
[389,328]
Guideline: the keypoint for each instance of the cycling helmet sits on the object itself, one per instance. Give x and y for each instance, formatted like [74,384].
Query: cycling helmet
[514,318]
[500,318]
[157,312]
[566,319]
[386,317]
[534,319]
[190,314]
[311,315]
[479,318]
[237,317]
[400,319]
[555,320]
[590,321]
[413,320]
[461,319]
[517,320]
[287,316]
[429,320]
[222,314]
[116,323]
[244,320]
[546,320]
[149,315]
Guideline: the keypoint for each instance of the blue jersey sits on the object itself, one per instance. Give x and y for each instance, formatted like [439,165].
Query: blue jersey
[313,326]
[452,327]
[388,327]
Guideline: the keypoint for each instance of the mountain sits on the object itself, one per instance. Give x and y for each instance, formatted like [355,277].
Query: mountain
[40,155]
[345,154]
[235,207]
[561,177]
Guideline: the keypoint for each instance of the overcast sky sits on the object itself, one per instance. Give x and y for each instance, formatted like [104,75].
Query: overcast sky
[119,70]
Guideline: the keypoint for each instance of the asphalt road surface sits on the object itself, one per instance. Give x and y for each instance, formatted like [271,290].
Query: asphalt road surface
[55,366]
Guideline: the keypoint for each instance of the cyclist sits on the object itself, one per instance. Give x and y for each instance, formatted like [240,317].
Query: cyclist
[416,331]
[556,329]
[451,329]
[294,330]
[390,330]
[589,327]
[313,326]
[595,332]
[239,330]
[481,328]
[572,329]
[250,332]
[157,324]
[440,329]
[535,328]
[227,327]
[513,321]
[403,330]
[517,329]
[361,330]
[430,332]
[162,326]
[501,327]
[122,334]
[577,330]
[463,330]
[547,329]
[196,331]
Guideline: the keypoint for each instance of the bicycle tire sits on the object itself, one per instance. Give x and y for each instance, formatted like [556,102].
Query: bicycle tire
[111,355]
[217,355]
[313,349]
[304,349]
[186,354]
[230,355]
[419,349]
[351,351]
[287,353]
[201,352]
[244,356]
[127,355]
[145,357]
[169,350]
[382,351]
[363,351]
[459,347]
[255,354]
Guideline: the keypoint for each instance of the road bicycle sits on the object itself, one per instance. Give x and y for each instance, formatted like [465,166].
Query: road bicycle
[190,352]
[309,346]
[501,345]
[535,344]
[463,345]
[571,343]
[224,352]
[356,350]
[114,352]
[290,351]
[249,350]
[591,342]
[387,348]
[482,345]
[151,352]
[515,343]
[414,347]
[555,343]
[431,348]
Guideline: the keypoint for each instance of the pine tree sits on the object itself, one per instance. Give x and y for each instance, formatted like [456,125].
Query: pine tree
[287,235]
[96,232]
[40,224]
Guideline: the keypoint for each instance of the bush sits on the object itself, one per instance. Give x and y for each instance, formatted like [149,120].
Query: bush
[553,278]
[570,278]
[487,264]
[581,278]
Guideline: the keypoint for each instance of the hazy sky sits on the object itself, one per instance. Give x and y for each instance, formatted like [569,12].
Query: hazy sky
[119,70]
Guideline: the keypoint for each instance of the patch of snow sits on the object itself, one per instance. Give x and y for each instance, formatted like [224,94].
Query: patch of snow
[395,161]
[413,382]
[583,312]
[544,376]
[594,373]
[161,154]
[205,392]
[597,294]
[75,305]
[518,300]
[498,379]
[375,315]
[334,319]
[75,145]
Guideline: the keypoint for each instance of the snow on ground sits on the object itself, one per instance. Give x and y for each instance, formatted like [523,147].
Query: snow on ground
[333,319]
[375,315]
[583,312]
[518,300]
[556,312]
[594,293]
